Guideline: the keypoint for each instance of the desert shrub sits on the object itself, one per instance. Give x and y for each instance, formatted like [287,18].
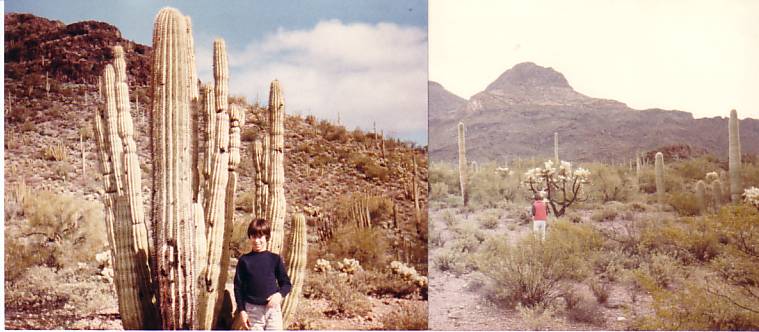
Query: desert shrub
[538,317]
[573,216]
[647,183]
[368,245]
[86,131]
[60,232]
[449,218]
[609,183]
[345,297]
[580,309]
[489,221]
[487,188]
[334,133]
[604,214]
[438,190]
[406,317]
[383,283]
[368,166]
[528,273]
[447,260]
[600,289]
[441,172]
[62,169]
[684,203]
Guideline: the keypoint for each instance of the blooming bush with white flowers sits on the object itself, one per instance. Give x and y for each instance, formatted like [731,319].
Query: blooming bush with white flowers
[408,273]
[751,195]
[561,186]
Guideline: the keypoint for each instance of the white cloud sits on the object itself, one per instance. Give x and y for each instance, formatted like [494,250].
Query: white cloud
[363,72]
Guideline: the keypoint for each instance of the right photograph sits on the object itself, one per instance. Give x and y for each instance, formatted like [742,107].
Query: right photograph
[593,165]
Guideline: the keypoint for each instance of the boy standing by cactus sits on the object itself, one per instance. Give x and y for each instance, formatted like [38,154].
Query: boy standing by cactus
[261,282]
[539,216]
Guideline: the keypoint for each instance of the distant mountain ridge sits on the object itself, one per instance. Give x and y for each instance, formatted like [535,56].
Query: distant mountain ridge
[517,114]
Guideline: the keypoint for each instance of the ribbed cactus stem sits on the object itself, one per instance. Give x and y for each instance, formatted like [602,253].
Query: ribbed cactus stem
[556,149]
[637,170]
[277,205]
[659,169]
[701,196]
[463,164]
[417,207]
[296,265]
[717,194]
[216,194]
[261,191]
[734,155]
[172,165]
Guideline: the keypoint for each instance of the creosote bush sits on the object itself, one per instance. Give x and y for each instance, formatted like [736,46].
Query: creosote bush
[368,245]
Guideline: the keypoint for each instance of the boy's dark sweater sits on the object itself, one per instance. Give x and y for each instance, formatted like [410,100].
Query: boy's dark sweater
[258,276]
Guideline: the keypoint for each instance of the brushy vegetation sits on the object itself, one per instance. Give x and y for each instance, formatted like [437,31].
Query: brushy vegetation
[698,266]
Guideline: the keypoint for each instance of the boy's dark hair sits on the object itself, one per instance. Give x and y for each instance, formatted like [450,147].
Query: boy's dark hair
[259,227]
[538,197]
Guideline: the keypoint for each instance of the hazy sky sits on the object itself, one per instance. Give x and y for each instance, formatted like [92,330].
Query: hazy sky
[696,56]
[366,60]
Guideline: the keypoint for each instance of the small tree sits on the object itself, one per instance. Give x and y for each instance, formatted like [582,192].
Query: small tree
[561,186]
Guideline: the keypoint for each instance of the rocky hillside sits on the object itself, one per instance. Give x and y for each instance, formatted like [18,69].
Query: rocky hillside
[517,114]
[74,53]
[323,161]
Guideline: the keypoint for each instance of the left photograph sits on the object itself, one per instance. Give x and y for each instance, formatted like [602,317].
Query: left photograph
[251,165]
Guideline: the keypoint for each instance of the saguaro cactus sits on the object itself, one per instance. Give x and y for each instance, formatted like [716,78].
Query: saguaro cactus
[717,194]
[268,160]
[417,207]
[701,196]
[556,148]
[463,164]
[734,151]
[191,215]
[637,170]
[659,166]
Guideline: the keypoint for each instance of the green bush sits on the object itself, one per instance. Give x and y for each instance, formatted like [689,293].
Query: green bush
[406,317]
[684,203]
[368,245]
[346,298]
[605,214]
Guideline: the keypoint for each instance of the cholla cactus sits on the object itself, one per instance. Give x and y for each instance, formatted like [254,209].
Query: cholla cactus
[504,171]
[348,266]
[562,185]
[751,196]
[711,176]
[409,274]
[322,265]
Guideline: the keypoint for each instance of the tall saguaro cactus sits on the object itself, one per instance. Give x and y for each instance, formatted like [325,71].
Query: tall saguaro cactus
[734,155]
[462,164]
[659,170]
[268,160]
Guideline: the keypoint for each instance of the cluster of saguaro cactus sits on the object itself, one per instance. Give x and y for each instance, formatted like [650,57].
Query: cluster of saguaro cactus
[659,171]
[359,210]
[462,164]
[269,201]
[177,280]
[734,155]
[417,207]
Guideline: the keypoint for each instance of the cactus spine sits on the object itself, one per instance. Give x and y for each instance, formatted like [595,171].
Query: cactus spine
[659,166]
[734,151]
[701,196]
[463,164]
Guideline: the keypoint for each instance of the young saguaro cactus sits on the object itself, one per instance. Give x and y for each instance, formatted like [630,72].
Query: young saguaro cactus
[462,164]
[701,196]
[734,155]
[191,215]
[717,194]
[659,169]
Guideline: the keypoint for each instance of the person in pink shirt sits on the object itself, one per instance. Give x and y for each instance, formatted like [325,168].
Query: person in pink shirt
[539,217]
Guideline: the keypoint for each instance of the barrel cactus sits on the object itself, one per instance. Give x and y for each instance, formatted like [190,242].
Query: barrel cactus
[175,278]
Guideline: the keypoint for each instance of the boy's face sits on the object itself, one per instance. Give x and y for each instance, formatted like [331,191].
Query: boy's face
[258,243]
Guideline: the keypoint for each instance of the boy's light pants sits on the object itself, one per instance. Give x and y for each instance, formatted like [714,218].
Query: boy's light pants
[262,318]
[539,228]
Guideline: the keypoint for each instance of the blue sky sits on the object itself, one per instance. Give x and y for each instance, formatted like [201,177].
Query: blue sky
[366,60]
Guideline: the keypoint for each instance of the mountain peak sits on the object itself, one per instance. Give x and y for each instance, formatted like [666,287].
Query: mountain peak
[528,74]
